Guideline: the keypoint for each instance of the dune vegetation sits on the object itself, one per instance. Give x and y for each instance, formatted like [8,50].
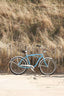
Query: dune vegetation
[30,22]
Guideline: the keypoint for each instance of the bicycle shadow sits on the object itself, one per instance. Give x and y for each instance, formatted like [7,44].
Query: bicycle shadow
[38,74]
[58,75]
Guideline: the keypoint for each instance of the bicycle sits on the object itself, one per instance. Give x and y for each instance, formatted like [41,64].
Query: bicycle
[18,64]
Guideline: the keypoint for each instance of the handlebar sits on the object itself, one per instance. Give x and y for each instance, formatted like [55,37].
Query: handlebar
[38,45]
[25,51]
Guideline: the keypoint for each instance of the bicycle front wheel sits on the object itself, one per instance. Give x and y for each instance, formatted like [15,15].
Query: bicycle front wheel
[14,67]
[47,70]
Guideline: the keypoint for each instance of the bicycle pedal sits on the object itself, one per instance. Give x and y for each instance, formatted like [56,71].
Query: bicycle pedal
[33,69]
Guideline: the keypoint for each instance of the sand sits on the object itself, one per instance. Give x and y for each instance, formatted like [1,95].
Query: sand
[31,85]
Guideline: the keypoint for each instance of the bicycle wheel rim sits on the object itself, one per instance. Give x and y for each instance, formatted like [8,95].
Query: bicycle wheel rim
[15,69]
[48,70]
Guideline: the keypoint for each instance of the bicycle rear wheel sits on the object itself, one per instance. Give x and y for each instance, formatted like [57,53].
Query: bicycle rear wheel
[14,67]
[47,70]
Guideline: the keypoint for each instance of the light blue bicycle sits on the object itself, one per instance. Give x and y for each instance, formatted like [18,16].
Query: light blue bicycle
[18,64]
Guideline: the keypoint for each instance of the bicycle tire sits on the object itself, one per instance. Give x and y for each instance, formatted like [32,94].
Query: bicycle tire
[13,65]
[44,70]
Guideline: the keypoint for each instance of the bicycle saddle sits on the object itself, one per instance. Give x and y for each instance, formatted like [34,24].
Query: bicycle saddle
[24,51]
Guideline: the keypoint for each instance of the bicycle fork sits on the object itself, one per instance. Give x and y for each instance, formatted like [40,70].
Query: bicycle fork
[44,62]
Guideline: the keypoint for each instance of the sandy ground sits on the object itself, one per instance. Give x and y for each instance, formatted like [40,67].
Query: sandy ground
[31,85]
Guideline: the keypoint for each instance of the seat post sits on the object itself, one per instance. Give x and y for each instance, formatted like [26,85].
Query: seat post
[26,50]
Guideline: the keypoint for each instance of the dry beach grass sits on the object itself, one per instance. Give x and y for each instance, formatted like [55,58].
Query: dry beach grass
[31,22]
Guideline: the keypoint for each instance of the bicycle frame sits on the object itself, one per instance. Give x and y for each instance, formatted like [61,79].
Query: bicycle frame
[35,55]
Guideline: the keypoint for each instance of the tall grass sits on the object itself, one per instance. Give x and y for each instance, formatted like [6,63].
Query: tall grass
[32,22]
